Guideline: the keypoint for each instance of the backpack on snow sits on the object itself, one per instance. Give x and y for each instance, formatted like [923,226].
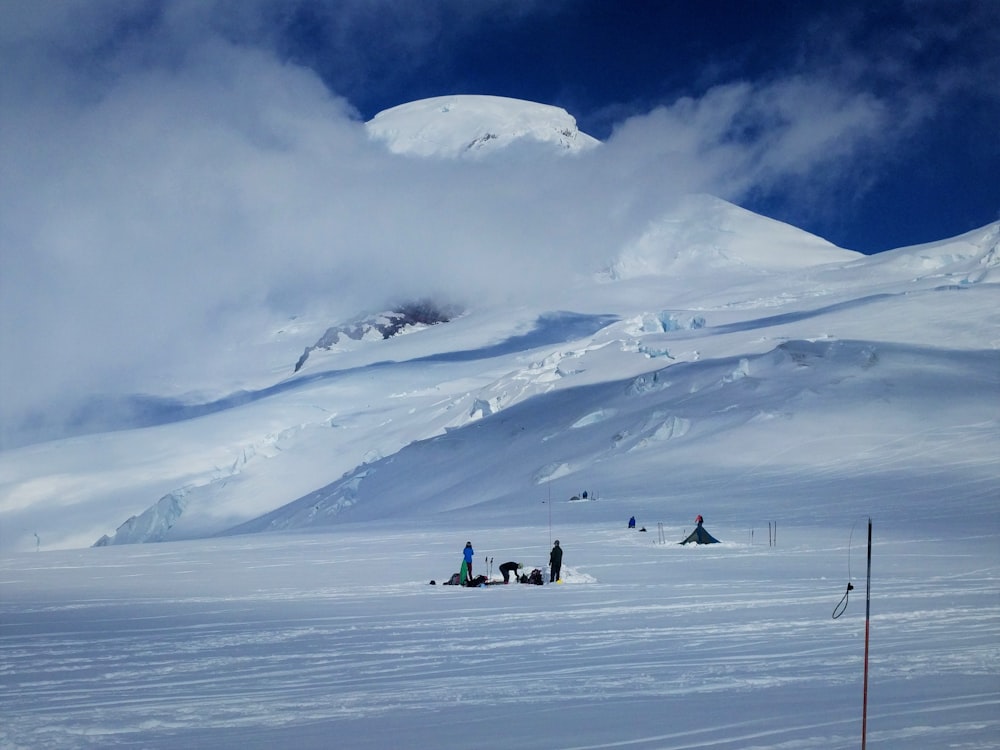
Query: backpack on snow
[535,577]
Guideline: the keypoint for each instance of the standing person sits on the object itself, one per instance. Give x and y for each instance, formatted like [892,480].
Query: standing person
[555,562]
[510,567]
[631,522]
[467,561]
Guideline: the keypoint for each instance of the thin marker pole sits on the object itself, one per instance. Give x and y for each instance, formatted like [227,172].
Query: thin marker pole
[550,514]
[868,609]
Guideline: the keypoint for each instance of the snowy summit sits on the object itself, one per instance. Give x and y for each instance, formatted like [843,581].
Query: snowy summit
[475,125]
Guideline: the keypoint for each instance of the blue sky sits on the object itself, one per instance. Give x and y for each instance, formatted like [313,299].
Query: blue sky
[934,66]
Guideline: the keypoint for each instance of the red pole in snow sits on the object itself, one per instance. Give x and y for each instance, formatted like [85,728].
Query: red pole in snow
[868,609]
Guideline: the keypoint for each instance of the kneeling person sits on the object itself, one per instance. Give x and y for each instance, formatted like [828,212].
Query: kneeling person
[510,567]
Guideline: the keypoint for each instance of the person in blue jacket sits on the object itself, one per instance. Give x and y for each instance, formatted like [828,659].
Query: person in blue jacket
[467,560]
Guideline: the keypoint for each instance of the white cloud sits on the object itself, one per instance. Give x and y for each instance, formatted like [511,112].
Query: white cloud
[180,208]
[744,138]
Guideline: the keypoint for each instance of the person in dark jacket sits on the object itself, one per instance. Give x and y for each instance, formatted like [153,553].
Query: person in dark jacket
[510,567]
[555,562]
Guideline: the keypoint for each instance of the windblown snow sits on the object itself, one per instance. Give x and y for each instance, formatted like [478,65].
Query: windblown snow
[720,363]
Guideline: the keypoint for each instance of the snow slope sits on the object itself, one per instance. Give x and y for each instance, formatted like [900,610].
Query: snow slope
[720,364]
[753,348]
[735,351]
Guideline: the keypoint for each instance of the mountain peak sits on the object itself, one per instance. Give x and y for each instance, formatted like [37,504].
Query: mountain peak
[704,232]
[467,125]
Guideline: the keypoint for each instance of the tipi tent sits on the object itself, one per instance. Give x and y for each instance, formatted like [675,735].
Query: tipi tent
[699,535]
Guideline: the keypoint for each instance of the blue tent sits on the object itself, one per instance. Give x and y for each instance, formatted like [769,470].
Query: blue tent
[700,536]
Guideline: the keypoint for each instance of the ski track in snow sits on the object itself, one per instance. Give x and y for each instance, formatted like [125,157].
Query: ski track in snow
[326,640]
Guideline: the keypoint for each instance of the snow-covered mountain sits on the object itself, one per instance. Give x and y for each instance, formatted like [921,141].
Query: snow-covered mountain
[475,125]
[723,371]
[718,354]
[714,362]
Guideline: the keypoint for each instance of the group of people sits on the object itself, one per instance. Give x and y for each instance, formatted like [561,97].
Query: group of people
[509,568]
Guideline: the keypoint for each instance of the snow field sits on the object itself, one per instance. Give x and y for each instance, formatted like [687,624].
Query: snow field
[337,639]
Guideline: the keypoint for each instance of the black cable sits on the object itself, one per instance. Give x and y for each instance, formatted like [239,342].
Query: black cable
[842,604]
